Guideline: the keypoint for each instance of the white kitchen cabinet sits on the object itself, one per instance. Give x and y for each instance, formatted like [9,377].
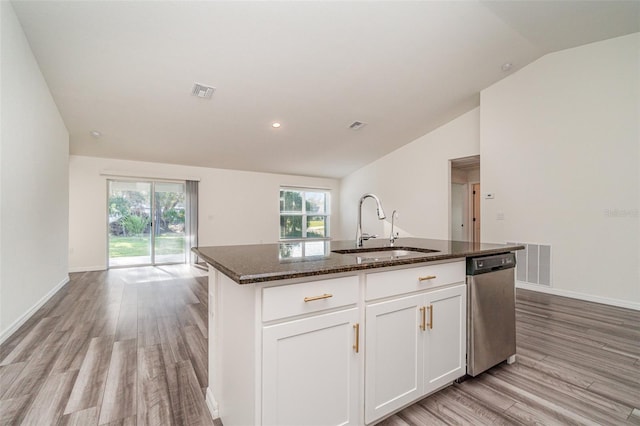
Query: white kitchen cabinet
[310,371]
[445,336]
[283,353]
[415,344]
[393,363]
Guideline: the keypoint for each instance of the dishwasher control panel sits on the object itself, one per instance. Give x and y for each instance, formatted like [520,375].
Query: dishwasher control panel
[484,264]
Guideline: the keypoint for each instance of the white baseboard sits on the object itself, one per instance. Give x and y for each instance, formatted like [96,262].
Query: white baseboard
[212,404]
[582,296]
[24,317]
[87,268]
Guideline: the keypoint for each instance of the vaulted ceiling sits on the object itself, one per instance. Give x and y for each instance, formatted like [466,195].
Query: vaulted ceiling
[127,68]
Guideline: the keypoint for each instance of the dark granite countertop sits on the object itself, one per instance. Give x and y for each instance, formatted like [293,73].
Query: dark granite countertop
[246,264]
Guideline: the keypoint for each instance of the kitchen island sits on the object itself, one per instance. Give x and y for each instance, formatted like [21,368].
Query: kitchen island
[322,333]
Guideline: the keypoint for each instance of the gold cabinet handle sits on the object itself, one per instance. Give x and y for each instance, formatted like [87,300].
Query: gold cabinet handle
[430,317]
[426,278]
[423,309]
[312,298]
[356,346]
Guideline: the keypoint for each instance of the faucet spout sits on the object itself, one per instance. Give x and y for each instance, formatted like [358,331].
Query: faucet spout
[360,237]
[393,236]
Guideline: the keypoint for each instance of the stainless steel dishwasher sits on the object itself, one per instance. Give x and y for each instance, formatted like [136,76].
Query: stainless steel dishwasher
[491,313]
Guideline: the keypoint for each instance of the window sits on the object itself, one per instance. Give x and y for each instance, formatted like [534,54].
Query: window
[304,214]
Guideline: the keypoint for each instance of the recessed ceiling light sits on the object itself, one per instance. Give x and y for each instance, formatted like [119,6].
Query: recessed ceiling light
[507,66]
[275,125]
[95,133]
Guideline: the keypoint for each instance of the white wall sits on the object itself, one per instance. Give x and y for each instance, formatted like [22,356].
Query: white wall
[34,182]
[465,175]
[414,180]
[235,207]
[560,150]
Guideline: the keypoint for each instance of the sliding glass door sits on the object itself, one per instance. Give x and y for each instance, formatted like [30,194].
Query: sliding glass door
[169,229]
[146,224]
[129,210]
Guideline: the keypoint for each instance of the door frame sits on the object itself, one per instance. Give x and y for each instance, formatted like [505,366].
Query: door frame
[472,227]
[152,215]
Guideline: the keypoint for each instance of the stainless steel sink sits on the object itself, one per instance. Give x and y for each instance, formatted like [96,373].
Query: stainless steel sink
[384,253]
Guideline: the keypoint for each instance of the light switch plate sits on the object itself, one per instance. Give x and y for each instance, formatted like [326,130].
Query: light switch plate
[489,195]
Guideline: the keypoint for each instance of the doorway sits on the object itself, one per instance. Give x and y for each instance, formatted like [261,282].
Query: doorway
[464,211]
[146,223]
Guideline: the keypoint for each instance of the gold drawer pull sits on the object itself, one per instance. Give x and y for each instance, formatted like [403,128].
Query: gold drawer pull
[356,347]
[312,298]
[423,326]
[428,277]
[430,317]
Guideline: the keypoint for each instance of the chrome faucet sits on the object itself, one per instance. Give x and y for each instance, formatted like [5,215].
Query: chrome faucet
[392,237]
[360,237]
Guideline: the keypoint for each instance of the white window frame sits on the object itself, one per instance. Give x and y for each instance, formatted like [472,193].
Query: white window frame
[305,214]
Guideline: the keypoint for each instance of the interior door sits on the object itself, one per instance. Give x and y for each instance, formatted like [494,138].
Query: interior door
[458,209]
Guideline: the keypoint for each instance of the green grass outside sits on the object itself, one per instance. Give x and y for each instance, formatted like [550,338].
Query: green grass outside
[139,246]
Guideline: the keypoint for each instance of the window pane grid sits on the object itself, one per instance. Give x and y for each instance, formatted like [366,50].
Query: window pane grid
[304,214]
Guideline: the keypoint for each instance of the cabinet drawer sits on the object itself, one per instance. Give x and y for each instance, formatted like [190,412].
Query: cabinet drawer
[289,300]
[391,283]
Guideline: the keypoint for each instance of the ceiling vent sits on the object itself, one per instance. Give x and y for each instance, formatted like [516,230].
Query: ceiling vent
[202,91]
[357,125]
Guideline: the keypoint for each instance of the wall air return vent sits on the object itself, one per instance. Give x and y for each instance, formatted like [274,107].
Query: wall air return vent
[533,264]
[202,91]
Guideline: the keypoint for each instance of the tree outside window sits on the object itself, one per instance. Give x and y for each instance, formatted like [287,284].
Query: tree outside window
[304,214]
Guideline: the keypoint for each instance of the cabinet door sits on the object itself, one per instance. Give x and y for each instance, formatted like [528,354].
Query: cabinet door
[393,365]
[310,371]
[445,342]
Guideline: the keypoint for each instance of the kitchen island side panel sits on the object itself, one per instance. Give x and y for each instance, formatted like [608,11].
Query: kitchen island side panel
[236,352]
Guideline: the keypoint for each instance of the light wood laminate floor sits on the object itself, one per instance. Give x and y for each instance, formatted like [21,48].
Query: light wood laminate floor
[119,347]
[129,346]
[578,363]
